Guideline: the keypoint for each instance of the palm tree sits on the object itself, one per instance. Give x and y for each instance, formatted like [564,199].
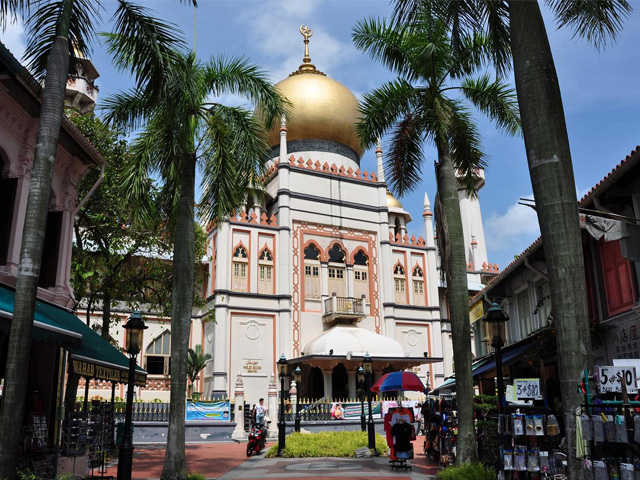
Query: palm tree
[518,26]
[181,129]
[197,360]
[416,107]
[56,29]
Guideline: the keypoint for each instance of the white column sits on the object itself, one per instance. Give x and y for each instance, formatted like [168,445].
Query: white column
[351,376]
[272,406]
[328,385]
[239,432]
[350,286]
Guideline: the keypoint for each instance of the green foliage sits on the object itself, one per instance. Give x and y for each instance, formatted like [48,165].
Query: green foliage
[195,476]
[327,444]
[117,256]
[196,361]
[467,471]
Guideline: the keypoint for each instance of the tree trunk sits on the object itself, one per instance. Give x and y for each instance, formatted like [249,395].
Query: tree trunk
[455,267]
[551,171]
[181,302]
[71,393]
[17,368]
[106,316]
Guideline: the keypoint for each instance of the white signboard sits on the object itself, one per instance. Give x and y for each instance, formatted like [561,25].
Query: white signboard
[610,379]
[526,388]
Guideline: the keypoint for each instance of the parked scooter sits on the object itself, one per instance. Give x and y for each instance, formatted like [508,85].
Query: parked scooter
[257,438]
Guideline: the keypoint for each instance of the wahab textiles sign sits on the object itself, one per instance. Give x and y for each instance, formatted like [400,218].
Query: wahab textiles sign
[100,372]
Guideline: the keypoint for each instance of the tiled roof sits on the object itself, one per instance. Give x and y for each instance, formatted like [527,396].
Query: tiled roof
[626,163]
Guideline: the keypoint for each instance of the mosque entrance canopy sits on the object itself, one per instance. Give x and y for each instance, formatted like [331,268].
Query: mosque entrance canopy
[328,362]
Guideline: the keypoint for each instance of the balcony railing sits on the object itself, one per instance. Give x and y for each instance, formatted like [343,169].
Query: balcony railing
[343,307]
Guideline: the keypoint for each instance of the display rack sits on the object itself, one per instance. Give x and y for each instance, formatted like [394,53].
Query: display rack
[38,449]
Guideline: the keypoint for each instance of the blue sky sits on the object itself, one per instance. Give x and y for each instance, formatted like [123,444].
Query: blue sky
[600,92]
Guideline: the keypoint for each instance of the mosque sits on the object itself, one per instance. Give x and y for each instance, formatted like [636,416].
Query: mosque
[322,267]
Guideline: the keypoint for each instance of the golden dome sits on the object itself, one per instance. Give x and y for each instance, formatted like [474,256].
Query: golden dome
[322,108]
[393,202]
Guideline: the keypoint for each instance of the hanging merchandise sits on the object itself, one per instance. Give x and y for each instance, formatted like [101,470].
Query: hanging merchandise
[530,425]
[538,425]
[636,429]
[587,428]
[508,460]
[587,469]
[609,428]
[544,460]
[519,459]
[626,471]
[620,428]
[598,429]
[600,471]
[533,463]
[552,426]
[518,424]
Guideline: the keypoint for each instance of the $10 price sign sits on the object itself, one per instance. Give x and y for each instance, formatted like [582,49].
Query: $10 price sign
[610,379]
[527,388]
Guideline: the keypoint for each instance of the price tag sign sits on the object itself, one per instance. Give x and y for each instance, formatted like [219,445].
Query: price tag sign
[527,388]
[610,379]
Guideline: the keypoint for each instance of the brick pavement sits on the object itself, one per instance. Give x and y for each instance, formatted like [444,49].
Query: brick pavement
[228,461]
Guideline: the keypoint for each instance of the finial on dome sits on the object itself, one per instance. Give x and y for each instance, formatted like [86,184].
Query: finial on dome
[307,66]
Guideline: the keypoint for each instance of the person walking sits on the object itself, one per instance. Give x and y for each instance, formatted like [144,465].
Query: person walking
[260,412]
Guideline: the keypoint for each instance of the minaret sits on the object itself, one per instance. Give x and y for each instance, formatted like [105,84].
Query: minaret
[472,225]
[380,162]
[81,93]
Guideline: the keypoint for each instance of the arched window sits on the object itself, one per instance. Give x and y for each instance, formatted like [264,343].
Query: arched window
[265,272]
[158,355]
[418,286]
[240,273]
[312,287]
[336,270]
[8,188]
[399,282]
[360,275]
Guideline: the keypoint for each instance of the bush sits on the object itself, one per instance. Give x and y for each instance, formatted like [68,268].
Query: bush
[327,444]
[467,471]
[195,476]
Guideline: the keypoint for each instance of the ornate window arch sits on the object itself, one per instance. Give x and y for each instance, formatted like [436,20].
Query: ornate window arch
[360,273]
[240,268]
[336,271]
[265,271]
[418,285]
[399,283]
[158,355]
[312,269]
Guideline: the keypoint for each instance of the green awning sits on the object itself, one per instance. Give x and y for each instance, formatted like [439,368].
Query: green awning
[90,355]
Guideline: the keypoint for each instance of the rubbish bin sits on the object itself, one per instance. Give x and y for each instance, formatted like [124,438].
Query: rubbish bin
[120,433]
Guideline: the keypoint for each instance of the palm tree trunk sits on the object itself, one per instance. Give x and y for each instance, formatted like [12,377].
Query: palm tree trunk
[17,368]
[549,158]
[455,267]
[181,299]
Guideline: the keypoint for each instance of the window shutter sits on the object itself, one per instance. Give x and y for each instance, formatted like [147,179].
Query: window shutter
[618,281]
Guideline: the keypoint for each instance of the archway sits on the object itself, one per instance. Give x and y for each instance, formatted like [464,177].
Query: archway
[340,382]
[315,384]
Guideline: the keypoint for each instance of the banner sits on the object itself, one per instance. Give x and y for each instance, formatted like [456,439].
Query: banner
[354,410]
[208,411]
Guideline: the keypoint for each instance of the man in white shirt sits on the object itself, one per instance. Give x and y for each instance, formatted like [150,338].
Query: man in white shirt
[261,411]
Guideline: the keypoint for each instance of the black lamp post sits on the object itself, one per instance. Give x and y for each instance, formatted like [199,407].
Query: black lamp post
[134,328]
[363,421]
[297,377]
[367,364]
[496,319]
[282,372]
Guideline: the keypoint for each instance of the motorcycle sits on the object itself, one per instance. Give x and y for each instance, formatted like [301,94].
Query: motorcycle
[257,439]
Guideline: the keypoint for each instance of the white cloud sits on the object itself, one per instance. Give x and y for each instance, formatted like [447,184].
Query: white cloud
[516,226]
[13,37]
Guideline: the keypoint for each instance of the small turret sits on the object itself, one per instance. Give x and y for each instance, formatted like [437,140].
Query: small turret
[81,93]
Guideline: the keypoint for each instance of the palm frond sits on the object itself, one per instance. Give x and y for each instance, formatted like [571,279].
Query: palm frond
[42,29]
[238,76]
[404,160]
[495,15]
[596,21]
[235,153]
[494,99]
[127,110]
[10,10]
[381,108]
[142,44]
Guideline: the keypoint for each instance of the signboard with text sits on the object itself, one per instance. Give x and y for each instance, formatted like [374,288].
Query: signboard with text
[208,411]
[610,379]
[527,388]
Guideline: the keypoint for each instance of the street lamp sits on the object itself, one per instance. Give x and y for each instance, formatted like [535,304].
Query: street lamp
[367,364]
[363,422]
[133,343]
[297,377]
[496,319]
[282,372]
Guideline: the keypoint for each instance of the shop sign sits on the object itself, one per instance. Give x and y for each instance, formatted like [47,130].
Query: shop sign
[252,366]
[208,411]
[91,370]
[527,388]
[624,340]
[610,379]
[354,410]
[476,312]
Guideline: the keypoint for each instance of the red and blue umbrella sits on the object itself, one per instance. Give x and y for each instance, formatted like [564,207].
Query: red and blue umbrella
[398,381]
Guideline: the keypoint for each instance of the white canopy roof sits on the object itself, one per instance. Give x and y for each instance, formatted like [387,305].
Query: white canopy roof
[353,340]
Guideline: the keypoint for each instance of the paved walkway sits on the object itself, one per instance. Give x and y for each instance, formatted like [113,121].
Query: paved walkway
[228,461]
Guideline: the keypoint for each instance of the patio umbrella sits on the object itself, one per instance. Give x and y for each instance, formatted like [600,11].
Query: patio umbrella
[398,381]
